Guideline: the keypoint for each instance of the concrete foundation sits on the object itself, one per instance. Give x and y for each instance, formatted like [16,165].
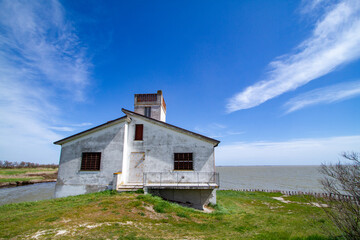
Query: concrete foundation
[73,190]
[195,198]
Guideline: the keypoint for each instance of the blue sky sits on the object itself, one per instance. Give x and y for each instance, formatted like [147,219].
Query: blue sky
[277,82]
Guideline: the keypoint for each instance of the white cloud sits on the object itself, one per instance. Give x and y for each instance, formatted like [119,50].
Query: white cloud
[234,132]
[62,129]
[210,127]
[85,124]
[216,130]
[335,41]
[41,59]
[71,127]
[218,126]
[308,6]
[312,151]
[330,94]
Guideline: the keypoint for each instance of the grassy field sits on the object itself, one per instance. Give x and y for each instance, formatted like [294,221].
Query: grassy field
[26,174]
[111,215]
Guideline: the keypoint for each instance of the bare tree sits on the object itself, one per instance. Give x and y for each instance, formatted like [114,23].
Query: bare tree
[7,164]
[342,183]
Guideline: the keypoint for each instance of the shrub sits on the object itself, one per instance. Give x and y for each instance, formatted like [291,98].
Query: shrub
[342,183]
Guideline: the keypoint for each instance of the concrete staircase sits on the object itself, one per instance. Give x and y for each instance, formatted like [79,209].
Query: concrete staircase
[129,187]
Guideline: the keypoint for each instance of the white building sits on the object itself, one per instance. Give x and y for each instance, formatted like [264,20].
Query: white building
[140,150]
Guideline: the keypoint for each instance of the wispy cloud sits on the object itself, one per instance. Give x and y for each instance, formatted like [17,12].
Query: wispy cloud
[41,61]
[310,151]
[85,124]
[62,129]
[217,130]
[308,6]
[70,127]
[330,94]
[335,41]
[234,132]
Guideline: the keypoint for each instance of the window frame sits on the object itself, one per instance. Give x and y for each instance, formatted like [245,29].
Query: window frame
[147,112]
[87,157]
[139,136]
[184,161]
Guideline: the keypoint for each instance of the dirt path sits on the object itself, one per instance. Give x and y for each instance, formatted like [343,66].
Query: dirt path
[281,199]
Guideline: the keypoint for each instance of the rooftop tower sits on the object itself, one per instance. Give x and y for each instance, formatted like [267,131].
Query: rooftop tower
[151,105]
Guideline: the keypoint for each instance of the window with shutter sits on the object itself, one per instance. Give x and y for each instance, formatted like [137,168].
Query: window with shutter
[139,128]
[90,161]
[183,161]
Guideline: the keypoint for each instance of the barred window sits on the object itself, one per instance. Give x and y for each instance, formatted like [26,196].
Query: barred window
[183,161]
[146,97]
[90,161]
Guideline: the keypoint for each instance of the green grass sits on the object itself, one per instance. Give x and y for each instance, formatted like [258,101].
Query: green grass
[26,174]
[17,171]
[111,215]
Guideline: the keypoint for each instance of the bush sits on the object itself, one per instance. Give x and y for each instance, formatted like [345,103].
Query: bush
[7,164]
[342,183]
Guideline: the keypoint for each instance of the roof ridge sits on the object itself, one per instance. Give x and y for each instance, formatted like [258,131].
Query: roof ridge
[170,125]
[128,112]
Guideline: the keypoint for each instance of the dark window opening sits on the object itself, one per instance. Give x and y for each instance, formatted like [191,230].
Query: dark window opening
[139,128]
[183,161]
[146,97]
[90,161]
[147,112]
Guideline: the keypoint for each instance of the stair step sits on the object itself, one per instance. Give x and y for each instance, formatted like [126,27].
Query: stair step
[123,188]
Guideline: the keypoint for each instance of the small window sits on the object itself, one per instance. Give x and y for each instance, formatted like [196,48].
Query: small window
[90,161]
[147,112]
[183,161]
[139,128]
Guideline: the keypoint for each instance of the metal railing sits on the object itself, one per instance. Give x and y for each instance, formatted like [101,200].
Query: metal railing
[181,178]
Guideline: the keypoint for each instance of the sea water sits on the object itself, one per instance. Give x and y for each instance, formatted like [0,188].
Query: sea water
[288,178]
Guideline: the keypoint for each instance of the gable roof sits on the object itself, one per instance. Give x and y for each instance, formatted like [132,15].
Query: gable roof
[130,113]
[178,129]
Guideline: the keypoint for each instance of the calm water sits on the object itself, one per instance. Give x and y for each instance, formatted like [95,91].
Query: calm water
[27,193]
[292,178]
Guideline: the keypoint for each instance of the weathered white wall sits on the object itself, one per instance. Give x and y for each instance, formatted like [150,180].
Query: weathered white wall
[120,152]
[162,115]
[157,111]
[159,145]
[72,181]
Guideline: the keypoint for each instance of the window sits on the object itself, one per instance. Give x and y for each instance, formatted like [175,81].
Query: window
[183,161]
[146,97]
[147,112]
[90,161]
[139,131]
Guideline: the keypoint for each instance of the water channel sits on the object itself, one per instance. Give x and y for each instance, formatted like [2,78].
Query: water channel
[33,192]
[293,178]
